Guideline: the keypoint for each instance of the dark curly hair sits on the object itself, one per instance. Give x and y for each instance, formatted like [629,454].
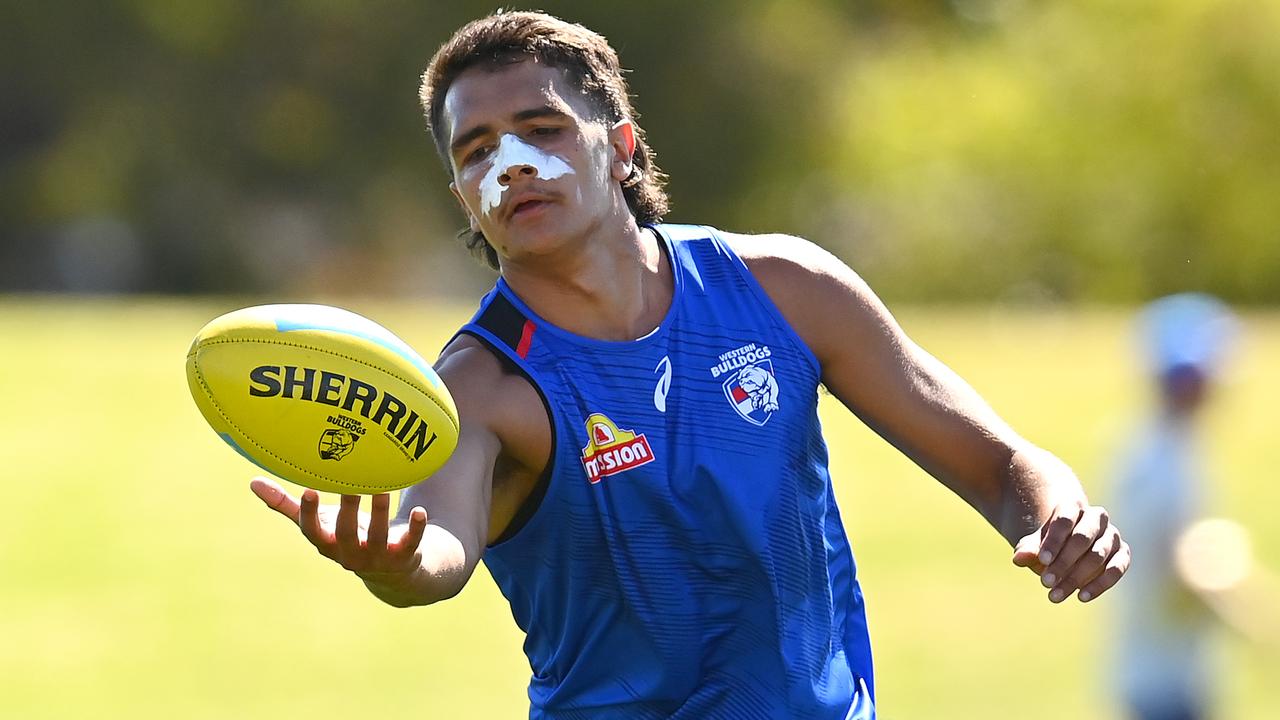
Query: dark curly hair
[589,64]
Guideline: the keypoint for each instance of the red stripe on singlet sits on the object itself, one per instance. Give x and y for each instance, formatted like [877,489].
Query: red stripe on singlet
[526,339]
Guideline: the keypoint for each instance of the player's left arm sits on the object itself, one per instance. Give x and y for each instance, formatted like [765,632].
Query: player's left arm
[934,417]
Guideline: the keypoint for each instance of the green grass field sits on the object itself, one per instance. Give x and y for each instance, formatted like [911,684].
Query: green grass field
[141,578]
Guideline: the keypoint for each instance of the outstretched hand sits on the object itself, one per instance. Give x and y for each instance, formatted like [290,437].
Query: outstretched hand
[364,543]
[1076,548]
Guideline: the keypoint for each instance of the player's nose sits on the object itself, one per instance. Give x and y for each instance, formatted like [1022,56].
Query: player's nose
[514,161]
[517,169]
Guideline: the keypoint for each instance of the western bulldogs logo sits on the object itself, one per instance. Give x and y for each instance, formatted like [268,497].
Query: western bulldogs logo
[749,383]
[753,392]
[335,443]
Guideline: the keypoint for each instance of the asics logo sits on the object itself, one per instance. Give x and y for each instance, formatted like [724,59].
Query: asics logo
[664,384]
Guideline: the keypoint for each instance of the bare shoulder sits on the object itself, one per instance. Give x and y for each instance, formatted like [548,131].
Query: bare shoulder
[786,257]
[492,395]
[822,298]
[472,373]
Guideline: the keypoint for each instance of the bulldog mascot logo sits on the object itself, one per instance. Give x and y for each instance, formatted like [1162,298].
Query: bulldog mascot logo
[753,392]
[335,443]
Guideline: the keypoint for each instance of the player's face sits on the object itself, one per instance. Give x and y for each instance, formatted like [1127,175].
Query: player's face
[530,168]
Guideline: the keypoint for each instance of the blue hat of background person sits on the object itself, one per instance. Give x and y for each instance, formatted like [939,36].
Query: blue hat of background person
[1188,332]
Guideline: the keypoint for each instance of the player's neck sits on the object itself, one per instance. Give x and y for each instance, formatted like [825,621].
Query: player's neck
[615,284]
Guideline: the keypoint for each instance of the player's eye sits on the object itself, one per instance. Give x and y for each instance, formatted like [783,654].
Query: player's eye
[545,131]
[477,155]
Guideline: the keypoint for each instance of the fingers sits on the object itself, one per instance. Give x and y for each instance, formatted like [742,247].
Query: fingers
[401,557]
[305,513]
[347,533]
[275,497]
[408,543]
[378,521]
[1056,530]
[1088,528]
[340,539]
[1114,568]
[309,522]
[1090,555]
[1087,565]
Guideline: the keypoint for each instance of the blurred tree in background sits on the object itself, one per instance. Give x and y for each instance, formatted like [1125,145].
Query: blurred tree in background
[972,149]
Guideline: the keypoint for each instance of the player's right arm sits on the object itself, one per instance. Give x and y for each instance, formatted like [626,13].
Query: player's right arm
[428,552]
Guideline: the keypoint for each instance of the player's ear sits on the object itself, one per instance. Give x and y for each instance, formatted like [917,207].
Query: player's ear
[471,219]
[622,143]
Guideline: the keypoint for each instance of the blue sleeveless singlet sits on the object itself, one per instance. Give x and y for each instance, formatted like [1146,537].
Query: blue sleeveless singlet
[686,559]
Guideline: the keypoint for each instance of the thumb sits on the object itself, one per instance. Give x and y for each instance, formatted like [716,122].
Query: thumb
[275,497]
[1026,552]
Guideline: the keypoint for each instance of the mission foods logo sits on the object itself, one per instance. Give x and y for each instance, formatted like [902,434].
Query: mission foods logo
[611,450]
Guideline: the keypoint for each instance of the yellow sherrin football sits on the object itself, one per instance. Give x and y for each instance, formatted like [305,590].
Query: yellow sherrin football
[322,397]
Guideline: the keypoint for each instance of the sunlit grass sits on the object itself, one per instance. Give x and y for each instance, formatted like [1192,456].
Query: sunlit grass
[142,579]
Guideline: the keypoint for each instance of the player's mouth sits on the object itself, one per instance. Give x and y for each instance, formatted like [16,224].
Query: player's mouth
[527,205]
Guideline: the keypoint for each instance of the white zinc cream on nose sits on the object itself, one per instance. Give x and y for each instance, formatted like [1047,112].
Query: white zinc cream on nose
[512,153]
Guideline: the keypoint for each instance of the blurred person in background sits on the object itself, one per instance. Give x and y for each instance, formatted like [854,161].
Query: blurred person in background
[1166,617]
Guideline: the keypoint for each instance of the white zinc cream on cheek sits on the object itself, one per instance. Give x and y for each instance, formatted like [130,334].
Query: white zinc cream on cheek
[512,153]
